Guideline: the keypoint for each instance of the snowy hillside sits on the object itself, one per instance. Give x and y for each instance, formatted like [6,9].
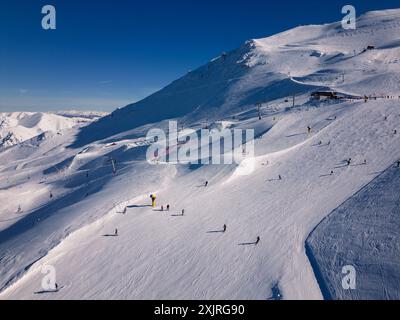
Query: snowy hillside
[62,201]
[354,224]
[16,127]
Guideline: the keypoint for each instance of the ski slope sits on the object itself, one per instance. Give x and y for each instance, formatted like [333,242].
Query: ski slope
[162,255]
[376,270]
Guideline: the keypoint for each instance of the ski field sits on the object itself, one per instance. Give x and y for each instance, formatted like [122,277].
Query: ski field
[62,202]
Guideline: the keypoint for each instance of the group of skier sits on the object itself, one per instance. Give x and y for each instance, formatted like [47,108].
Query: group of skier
[153,204]
[153,197]
[167,208]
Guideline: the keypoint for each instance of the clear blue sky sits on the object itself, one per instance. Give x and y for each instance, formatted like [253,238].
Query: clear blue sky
[108,53]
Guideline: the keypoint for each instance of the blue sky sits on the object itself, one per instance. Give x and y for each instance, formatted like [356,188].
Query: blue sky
[105,54]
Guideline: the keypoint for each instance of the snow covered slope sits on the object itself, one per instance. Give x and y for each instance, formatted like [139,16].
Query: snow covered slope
[16,127]
[369,220]
[71,202]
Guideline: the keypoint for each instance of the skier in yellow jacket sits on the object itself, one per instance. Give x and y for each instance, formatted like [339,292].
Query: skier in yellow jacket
[153,200]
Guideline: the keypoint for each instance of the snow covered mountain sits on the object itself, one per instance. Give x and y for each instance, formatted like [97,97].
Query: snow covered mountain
[62,200]
[297,61]
[16,127]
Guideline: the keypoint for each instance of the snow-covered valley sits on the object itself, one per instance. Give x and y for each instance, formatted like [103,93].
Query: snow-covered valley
[61,200]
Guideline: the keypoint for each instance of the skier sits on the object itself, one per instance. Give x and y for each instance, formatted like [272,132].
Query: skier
[162,208]
[394,131]
[257,241]
[331,172]
[167,207]
[398,163]
[365,161]
[116,232]
[206,184]
[19,210]
[56,285]
[51,195]
[309,129]
[280,177]
[183,212]
[224,228]
[348,161]
[153,200]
